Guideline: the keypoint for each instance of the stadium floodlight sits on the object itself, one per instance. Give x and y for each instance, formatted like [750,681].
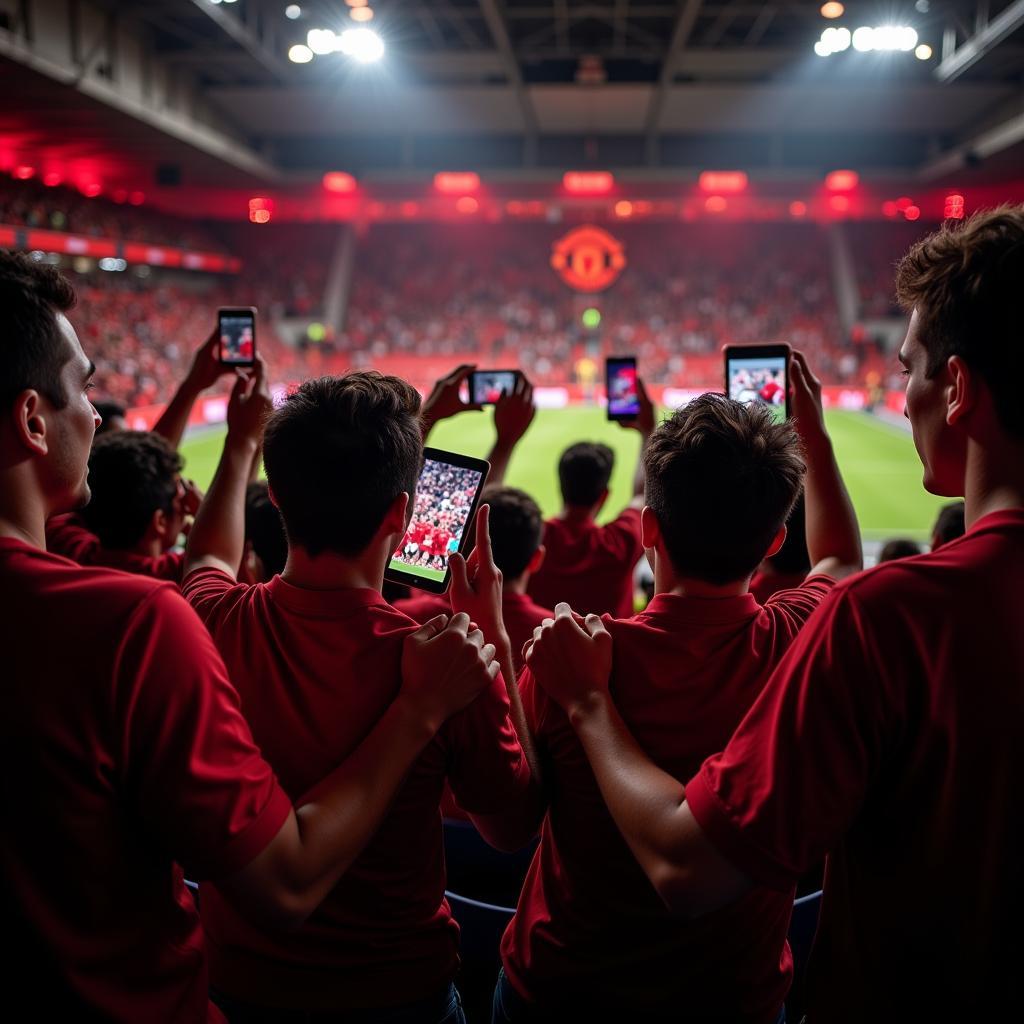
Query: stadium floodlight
[322,41]
[832,9]
[833,40]
[361,44]
[300,54]
[293,12]
[863,39]
[885,38]
[361,14]
[923,52]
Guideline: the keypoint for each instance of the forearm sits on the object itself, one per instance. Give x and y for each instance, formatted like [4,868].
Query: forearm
[831,522]
[499,458]
[639,476]
[219,528]
[174,419]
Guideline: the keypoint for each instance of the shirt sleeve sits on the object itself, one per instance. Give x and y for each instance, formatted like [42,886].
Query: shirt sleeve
[794,607]
[67,536]
[487,769]
[794,775]
[213,593]
[189,762]
[621,537]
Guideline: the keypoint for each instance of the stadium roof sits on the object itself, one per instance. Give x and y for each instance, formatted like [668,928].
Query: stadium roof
[518,88]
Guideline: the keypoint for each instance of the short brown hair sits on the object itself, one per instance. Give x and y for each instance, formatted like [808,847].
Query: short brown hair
[722,478]
[337,454]
[964,282]
[584,471]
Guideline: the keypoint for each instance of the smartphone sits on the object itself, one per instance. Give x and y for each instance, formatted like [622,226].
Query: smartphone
[447,495]
[487,386]
[236,328]
[621,387]
[759,373]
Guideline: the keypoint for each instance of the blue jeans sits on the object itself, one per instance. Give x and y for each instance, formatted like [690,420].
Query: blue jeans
[510,1007]
[444,1008]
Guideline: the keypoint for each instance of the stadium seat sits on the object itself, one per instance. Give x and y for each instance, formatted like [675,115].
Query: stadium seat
[478,870]
[802,927]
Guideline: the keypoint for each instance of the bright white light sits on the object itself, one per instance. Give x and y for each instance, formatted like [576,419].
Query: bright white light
[111,263]
[293,12]
[923,52]
[864,39]
[822,49]
[300,54]
[922,6]
[322,41]
[841,40]
[362,44]
[833,40]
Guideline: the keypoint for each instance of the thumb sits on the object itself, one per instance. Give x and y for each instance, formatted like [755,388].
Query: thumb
[460,578]
[240,388]
[429,629]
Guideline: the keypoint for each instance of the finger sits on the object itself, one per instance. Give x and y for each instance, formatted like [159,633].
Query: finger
[459,623]
[461,372]
[430,629]
[642,390]
[494,669]
[595,625]
[546,624]
[240,387]
[476,638]
[488,652]
[460,576]
[483,536]
[562,610]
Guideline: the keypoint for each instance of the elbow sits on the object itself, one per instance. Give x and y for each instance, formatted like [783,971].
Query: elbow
[279,910]
[678,892]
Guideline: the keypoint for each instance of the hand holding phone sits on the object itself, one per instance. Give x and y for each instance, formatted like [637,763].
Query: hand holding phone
[487,386]
[236,331]
[622,386]
[759,374]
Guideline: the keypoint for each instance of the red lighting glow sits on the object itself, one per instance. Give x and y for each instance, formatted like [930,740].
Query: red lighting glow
[259,216]
[904,203]
[52,179]
[91,189]
[456,181]
[723,181]
[339,181]
[23,172]
[912,212]
[137,198]
[623,208]
[798,208]
[410,209]
[839,204]
[954,207]
[588,182]
[119,195]
[841,181]
[259,210]
[890,208]
[715,204]
[466,204]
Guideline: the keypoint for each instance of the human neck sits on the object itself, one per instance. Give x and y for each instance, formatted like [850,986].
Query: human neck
[668,581]
[578,513]
[23,511]
[331,571]
[516,586]
[993,480]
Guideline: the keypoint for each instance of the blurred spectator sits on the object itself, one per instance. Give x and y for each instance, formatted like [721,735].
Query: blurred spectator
[899,547]
[949,525]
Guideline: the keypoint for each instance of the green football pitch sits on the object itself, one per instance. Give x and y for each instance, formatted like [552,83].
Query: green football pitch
[878,462]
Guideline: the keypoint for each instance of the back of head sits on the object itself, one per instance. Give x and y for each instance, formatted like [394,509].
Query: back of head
[264,529]
[33,351]
[112,415]
[722,478]
[899,547]
[964,282]
[950,524]
[337,454]
[516,528]
[132,474]
[584,471]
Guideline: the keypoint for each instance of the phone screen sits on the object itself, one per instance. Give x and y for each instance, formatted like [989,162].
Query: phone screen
[237,330]
[445,499]
[487,386]
[759,379]
[623,391]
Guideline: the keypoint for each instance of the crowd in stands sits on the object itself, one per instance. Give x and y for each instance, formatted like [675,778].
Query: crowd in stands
[250,711]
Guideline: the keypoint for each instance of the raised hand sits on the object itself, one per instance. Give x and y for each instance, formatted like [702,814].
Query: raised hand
[805,398]
[571,662]
[513,414]
[250,403]
[476,583]
[206,366]
[445,665]
[644,421]
[444,401]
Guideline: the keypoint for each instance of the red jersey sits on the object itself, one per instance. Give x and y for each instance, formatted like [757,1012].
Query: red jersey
[422,606]
[590,928]
[892,738]
[765,584]
[316,670]
[68,535]
[124,754]
[589,566]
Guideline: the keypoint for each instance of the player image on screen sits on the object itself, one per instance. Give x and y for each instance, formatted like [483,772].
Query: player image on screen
[759,380]
[236,339]
[623,393]
[444,498]
[488,387]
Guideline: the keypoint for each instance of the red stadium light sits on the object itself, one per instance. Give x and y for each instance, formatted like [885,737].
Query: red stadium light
[259,210]
[23,172]
[839,204]
[456,181]
[729,182]
[841,181]
[904,203]
[798,208]
[912,212]
[466,204]
[890,208]
[52,179]
[715,204]
[589,183]
[259,216]
[954,207]
[137,198]
[119,195]
[339,181]
[410,209]
[91,189]
[623,208]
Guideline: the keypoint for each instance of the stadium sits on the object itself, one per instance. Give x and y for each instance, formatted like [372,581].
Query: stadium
[248,196]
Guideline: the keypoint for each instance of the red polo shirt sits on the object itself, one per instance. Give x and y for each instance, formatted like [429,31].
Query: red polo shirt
[589,926]
[892,738]
[123,754]
[68,536]
[422,607]
[765,584]
[589,566]
[316,670]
